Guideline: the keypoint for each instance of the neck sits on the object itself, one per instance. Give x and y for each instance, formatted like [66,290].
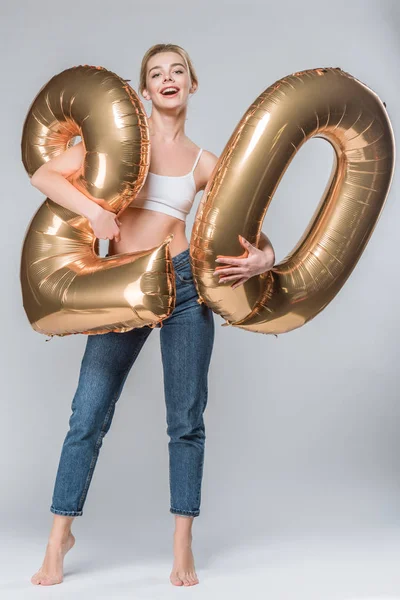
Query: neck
[168,127]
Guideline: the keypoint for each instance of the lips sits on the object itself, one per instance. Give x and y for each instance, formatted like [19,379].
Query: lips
[169,95]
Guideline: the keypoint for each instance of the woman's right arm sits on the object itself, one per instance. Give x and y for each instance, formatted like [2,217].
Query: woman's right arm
[50,179]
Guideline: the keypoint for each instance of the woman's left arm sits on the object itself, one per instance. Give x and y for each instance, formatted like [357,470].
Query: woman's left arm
[253,262]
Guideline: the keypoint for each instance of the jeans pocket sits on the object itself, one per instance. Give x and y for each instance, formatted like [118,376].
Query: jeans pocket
[185,274]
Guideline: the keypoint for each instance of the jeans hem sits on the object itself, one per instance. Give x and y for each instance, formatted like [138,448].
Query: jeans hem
[185,513]
[66,513]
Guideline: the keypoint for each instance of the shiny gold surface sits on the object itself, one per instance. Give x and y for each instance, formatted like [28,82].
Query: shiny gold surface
[327,103]
[67,288]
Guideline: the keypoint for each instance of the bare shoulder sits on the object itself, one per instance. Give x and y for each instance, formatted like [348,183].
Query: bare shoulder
[208,161]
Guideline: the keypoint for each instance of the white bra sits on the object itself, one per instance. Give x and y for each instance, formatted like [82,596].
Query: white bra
[168,194]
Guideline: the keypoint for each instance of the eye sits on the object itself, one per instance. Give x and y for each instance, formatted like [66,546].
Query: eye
[177,71]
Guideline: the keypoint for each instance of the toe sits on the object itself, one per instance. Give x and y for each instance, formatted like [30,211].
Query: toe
[43,580]
[175,580]
[36,578]
[51,581]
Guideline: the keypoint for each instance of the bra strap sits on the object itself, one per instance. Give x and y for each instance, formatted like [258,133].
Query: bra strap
[197,159]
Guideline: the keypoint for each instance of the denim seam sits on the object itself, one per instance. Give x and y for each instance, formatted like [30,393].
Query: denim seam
[192,513]
[102,434]
[182,255]
[189,281]
[94,457]
[201,468]
[66,513]
[186,265]
[182,263]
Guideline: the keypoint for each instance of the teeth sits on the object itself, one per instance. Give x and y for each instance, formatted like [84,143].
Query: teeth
[168,89]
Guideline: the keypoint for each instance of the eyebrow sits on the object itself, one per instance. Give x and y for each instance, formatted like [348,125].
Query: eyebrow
[172,65]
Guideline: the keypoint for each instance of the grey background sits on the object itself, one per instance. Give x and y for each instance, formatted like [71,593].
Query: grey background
[302,430]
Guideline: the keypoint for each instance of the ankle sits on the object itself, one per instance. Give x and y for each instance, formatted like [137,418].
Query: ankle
[183,536]
[58,538]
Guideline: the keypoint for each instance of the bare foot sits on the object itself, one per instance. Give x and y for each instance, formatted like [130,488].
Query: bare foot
[51,571]
[183,571]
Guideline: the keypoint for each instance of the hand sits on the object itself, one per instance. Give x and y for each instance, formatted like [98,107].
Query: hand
[105,225]
[252,262]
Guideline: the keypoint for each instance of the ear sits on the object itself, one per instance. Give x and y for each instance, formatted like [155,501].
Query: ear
[146,94]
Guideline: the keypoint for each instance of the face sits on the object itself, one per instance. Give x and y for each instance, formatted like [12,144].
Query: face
[167,69]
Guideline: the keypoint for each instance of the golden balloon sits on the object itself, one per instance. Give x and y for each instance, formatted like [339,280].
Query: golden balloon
[67,288]
[326,103]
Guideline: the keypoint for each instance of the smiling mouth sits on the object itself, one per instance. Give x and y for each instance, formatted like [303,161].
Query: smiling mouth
[169,95]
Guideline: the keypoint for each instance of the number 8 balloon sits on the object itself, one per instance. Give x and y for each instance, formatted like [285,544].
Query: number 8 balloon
[67,288]
[326,103]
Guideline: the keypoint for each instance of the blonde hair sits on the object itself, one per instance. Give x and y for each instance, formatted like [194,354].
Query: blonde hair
[165,48]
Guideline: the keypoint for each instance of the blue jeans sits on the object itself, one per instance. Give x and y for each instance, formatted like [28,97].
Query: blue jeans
[187,338]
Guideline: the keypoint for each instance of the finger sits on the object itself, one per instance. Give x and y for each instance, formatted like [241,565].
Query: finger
[246,243]
[229,265]
[232,273]
[240,282]
[228,271]
[231,278]
[230,261]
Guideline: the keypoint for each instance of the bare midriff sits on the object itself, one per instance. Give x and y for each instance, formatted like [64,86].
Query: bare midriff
[142,229]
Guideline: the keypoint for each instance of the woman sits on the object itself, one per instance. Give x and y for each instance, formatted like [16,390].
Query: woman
[178,170]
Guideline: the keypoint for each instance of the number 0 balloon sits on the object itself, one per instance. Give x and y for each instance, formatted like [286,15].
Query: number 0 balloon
[326,103]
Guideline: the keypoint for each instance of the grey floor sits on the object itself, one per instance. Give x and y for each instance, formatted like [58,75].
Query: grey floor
[339,566]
